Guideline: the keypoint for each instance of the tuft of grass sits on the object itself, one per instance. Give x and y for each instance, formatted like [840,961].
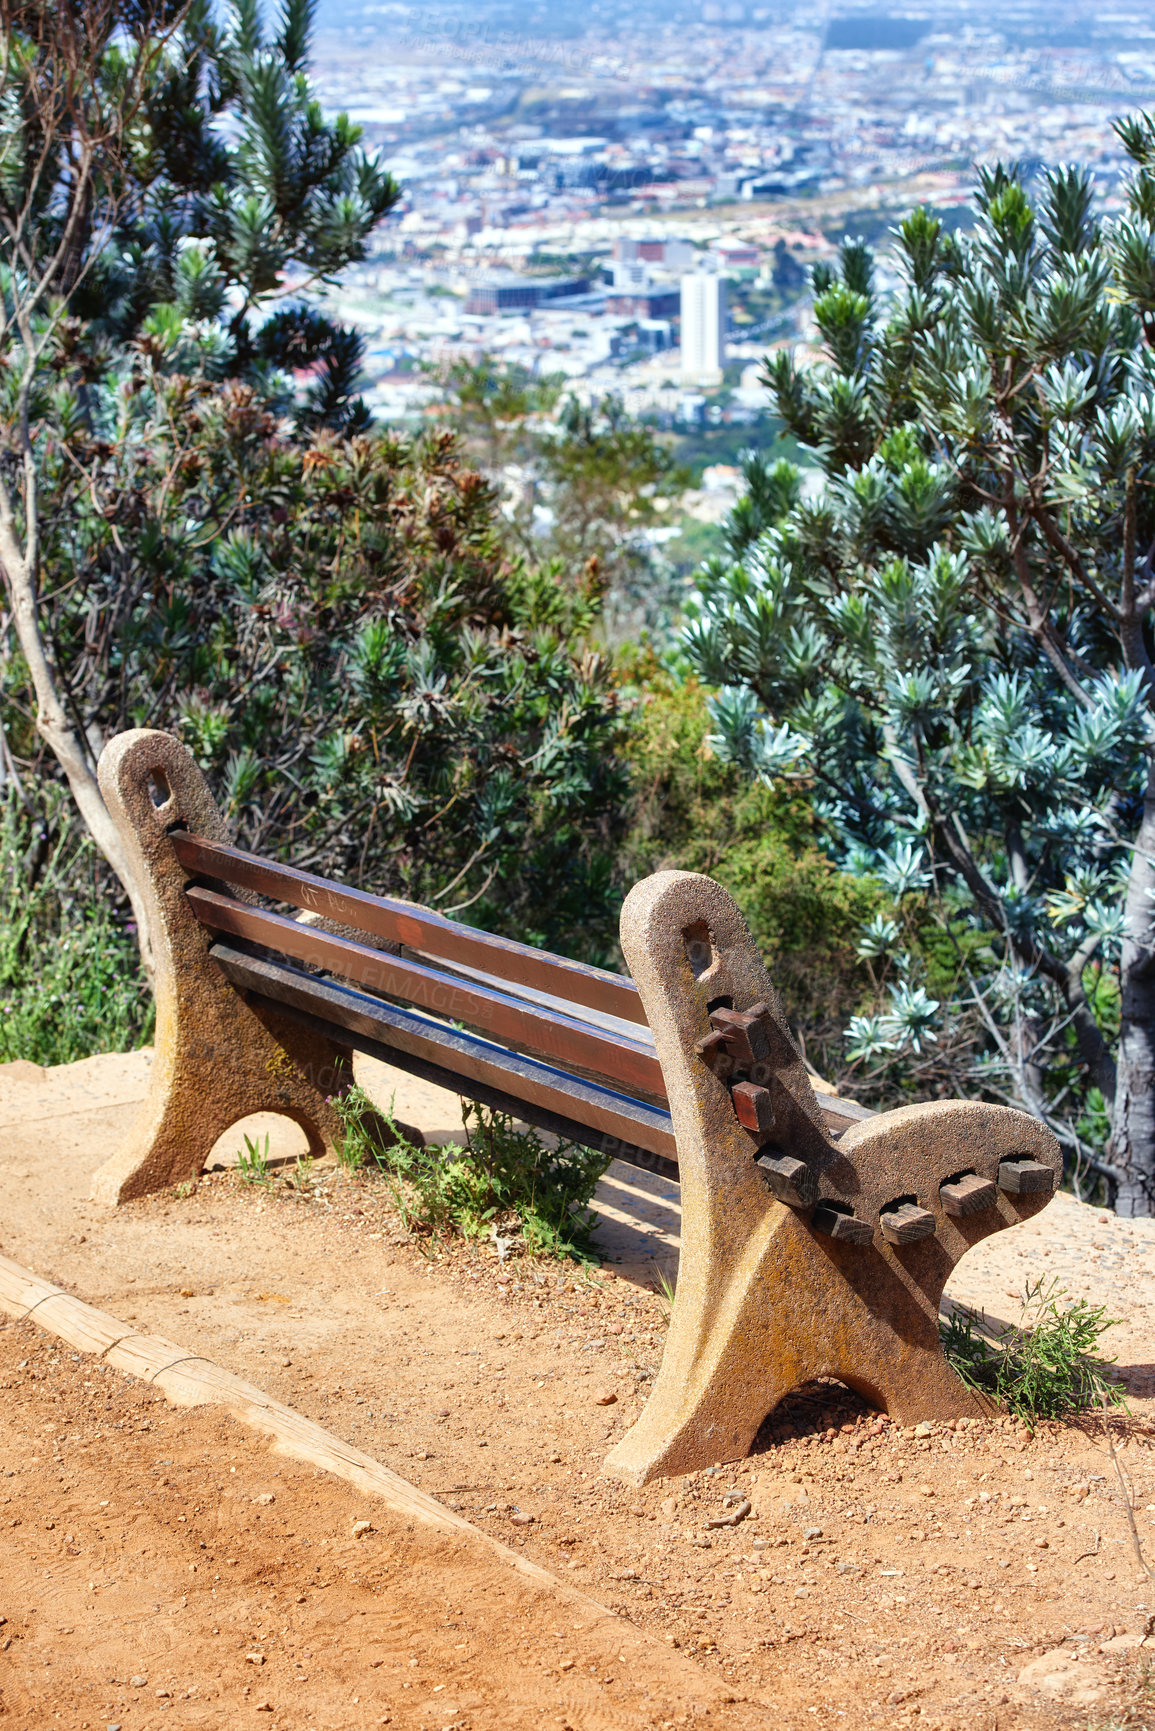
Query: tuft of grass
[302,1175]
[1042,1367]
[500,1182]
[253,1162]
[663,1289]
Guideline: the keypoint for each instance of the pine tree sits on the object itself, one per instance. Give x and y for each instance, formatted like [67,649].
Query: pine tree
[952,643]
[160,177]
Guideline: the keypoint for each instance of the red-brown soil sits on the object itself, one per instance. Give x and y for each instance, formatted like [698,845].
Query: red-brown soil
[163,1569]
[880,1579]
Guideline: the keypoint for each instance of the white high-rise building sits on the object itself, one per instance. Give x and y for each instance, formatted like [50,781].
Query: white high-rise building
[703,327]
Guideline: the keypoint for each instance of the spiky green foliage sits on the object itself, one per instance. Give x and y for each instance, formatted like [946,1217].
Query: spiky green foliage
[212,539]
[950,644]
[692,812]
[164,171]
[332,625]
[771,490]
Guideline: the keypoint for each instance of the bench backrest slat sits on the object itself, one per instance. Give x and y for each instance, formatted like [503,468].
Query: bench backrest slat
[543,1028]
[416,927]
[580,1045]
[555,1100]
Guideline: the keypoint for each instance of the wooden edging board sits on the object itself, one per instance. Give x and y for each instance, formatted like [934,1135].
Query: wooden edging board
[187,1379]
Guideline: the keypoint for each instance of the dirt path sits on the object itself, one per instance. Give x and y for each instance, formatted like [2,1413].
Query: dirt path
[881,1579]
[162,1569]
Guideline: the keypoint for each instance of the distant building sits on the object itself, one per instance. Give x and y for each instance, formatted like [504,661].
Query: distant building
[703,327]
[677,254]
[629,275]
[737,258]
[655,335]
[671,254]
[659,301]
[517,293]
[781,184]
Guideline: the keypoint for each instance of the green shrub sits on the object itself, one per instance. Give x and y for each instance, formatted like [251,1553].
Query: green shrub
[71,983]
[1041,1368]
[501,1182]
[693,813]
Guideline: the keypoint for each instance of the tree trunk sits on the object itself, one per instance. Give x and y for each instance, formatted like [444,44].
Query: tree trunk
[63,739]
[1133,1133]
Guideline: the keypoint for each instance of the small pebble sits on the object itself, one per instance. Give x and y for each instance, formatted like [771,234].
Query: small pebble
[360,1528]
[606,1398]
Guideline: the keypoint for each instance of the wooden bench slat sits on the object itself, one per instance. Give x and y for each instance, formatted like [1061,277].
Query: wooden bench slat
[417,927]
[560,1038]
[399,922]
[597,1117]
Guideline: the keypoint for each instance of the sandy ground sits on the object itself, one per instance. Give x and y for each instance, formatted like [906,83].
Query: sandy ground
[961,1578]
[160,1569]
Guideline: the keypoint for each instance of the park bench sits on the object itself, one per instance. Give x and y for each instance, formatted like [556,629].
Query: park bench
[817,1237]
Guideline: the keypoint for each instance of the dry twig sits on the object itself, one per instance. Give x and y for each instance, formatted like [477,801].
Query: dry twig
[1136,1542]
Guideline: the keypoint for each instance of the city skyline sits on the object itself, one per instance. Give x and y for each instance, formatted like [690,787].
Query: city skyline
[534,142]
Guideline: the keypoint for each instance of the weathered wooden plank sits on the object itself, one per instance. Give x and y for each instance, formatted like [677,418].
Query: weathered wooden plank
[754,1108]
[1025,1177]
[631,1065]
[417,927]
[833,1223]
[968,1195]
[907,1223]
[616,1125]
[790,1180]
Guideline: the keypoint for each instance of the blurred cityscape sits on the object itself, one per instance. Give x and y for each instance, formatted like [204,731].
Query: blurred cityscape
[632,198]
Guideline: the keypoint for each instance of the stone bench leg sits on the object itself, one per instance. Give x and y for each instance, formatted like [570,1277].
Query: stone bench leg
[217,1058]
[764,1301]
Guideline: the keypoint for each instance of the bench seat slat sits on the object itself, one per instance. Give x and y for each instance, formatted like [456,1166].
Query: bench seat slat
[419,928]
[629,1065]
[597,1117]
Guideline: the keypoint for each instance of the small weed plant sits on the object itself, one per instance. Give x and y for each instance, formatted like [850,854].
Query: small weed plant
[499,1182]
[1042,1367]
[253,1162]
[302,1177]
